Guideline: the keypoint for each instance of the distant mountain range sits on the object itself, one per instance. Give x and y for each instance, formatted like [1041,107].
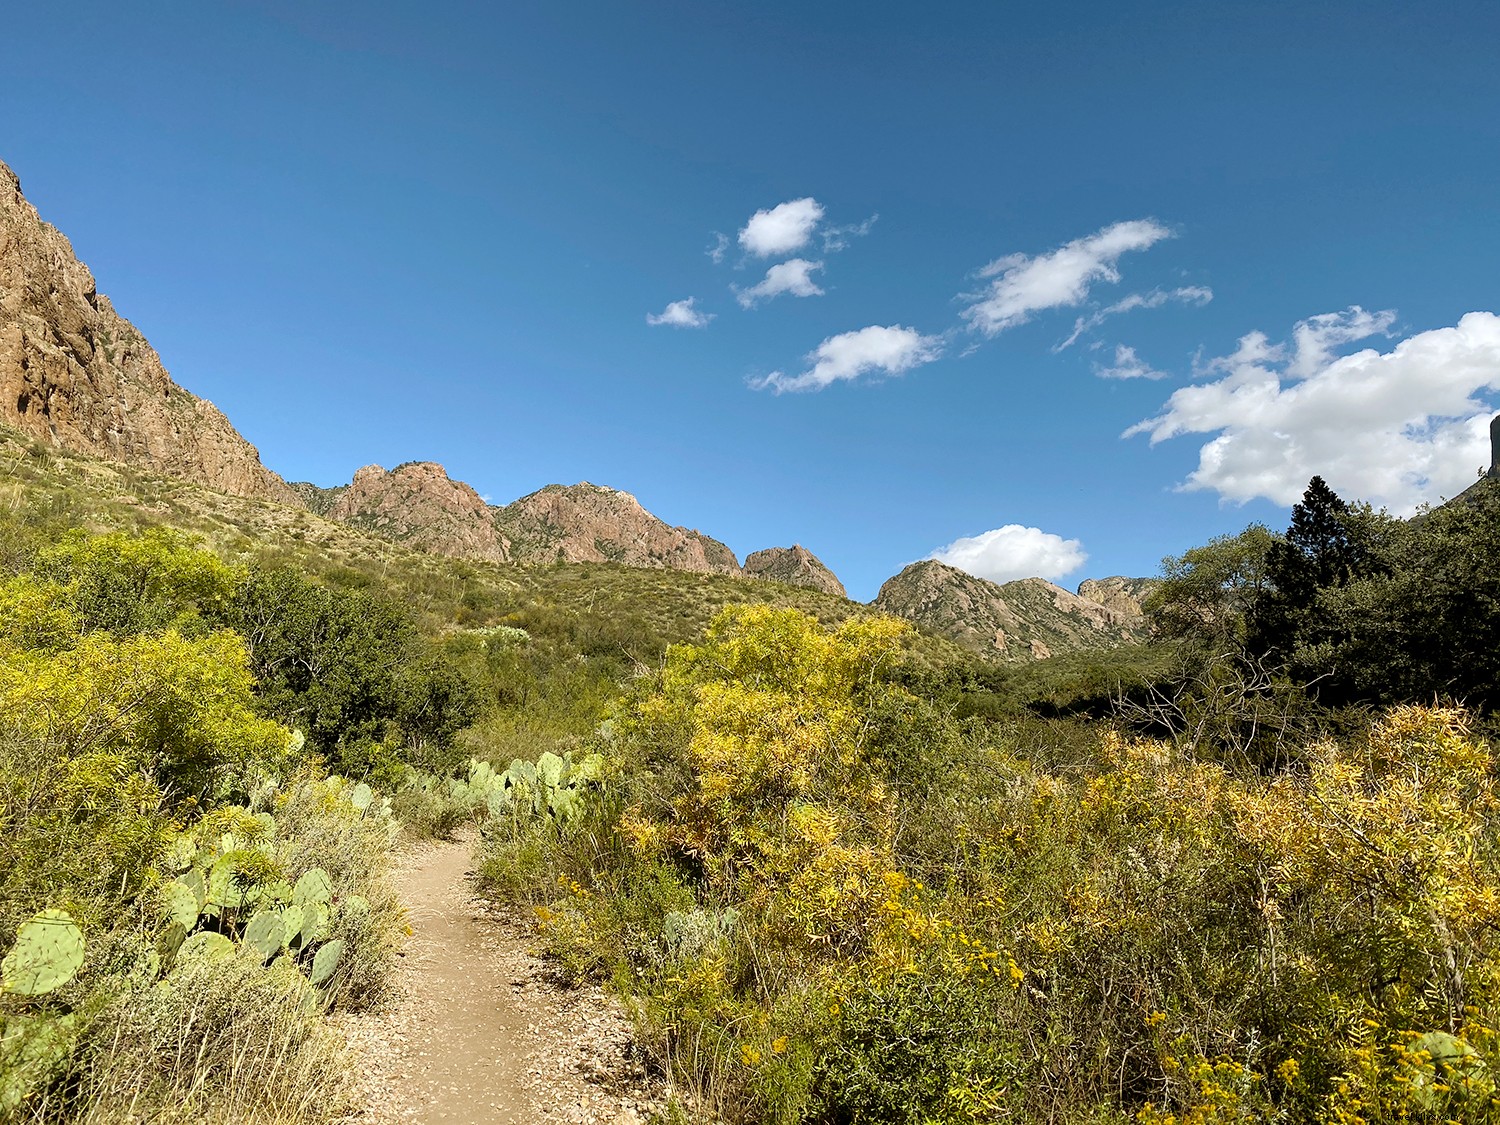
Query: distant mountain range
[77,375]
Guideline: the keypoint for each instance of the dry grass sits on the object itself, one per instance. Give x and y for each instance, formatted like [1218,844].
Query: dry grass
[232,1042]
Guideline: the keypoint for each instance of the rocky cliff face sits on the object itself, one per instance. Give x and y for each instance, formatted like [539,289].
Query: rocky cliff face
[417,506]
[1030,619]
[589,523]
[794,565]
[76,374]
[1122,595]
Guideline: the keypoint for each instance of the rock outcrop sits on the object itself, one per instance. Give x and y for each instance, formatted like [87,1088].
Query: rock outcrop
[417,506]
[76,374]
[794,565]
[589,523]
[1029,619]
[1122,595]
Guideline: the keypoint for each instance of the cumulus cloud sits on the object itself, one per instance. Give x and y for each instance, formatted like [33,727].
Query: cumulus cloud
[1022,286]
[1127,365]
[793,276]
[889,350]
[1396,428]
[1012,552]
[781,229]
[680,314]
[1191,295]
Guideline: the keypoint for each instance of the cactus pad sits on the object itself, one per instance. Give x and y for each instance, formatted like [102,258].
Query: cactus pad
[326,961]
[48,953]
[265,934]
[180,903]
[314,886]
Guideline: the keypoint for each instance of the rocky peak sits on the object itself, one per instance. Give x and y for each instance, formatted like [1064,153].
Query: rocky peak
[416,504]
[1120,595]
[1029,619]
[76,374]
[794,565]
[590,523]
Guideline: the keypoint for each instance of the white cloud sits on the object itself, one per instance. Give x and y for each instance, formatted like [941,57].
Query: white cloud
[1315,338]
[718,247]
[1023,286]
[1127,365]
[1191,294]
[1012,552]
[1395,428]
[890,350]
[793,276]
[680,314]
[837,238]
[786,227]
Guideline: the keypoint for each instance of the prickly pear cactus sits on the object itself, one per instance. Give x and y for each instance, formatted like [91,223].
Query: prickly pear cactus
[266,934]
[180,904]
[326,961]
[314,886]
[48,953]
[1444,1069]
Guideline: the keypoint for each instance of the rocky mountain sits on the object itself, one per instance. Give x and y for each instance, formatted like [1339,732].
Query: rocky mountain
[590,523]
[1030,619]
[76,374]
[415,504]
[794,565]
[1122,595]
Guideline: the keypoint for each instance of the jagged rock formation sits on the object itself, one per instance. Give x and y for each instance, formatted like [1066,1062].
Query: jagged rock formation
[1484,484]
[415,504]
[1124,596]
[588,523]
[794,565]
[76,374]
[1030,619]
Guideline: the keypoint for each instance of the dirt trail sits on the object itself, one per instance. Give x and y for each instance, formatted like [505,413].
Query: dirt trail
[479,1031]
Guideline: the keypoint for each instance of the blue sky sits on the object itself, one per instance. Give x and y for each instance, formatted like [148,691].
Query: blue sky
[389,232]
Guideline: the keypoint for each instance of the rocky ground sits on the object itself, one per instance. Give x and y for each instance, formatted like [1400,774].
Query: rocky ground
[481,1030]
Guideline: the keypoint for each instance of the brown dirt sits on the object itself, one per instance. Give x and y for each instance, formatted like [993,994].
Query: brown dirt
[480,1029]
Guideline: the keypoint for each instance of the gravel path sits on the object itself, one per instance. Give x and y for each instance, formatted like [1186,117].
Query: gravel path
[480,1030]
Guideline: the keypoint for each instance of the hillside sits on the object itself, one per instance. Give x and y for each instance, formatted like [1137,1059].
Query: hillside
[80,378]
[1030,619]
[77,374]
[604,605]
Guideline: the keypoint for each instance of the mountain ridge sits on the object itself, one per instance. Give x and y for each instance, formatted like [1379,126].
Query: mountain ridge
[77,375]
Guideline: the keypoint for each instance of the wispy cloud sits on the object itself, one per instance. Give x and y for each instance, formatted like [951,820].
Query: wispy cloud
[1022,286]
[837,238]
[680,314]
[876,350]
[1395,428]
[781,229]
[1127,365]
[793,277]
[1012,552]
[718,247]
[1192,295]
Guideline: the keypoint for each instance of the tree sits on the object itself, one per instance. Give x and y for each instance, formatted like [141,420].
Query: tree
[1208,593]
[1328,545]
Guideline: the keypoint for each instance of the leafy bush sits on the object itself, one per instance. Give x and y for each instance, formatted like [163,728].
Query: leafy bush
[835,904]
